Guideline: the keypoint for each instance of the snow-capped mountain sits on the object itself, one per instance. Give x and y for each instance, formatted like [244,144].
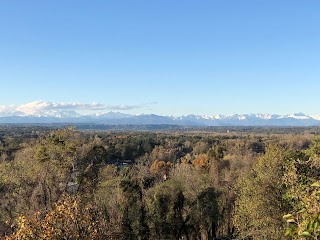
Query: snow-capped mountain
[117,118]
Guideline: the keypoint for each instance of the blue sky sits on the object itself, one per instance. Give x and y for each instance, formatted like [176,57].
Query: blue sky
[167,57]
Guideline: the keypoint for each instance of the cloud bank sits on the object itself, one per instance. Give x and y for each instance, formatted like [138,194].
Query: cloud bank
[38,107]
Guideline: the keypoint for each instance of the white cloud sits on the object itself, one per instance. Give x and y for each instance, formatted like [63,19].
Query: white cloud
[41,106]
[8,108]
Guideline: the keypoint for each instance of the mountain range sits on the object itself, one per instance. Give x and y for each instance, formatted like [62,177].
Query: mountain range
[117,118]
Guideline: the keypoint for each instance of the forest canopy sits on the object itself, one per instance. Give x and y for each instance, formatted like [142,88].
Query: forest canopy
[70,184]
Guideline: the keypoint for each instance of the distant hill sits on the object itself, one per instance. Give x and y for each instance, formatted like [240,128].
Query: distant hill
[117,118]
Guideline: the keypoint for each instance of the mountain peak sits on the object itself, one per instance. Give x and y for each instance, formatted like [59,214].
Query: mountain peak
[53,115]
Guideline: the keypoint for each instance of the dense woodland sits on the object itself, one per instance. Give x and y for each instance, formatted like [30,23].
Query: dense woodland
[70,184]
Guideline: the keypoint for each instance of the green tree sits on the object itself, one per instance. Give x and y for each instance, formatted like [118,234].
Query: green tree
[166,218]
[260,205]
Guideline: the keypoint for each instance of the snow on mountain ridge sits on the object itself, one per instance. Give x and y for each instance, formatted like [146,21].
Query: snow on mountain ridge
[72,113]
[315,117]
[55,115]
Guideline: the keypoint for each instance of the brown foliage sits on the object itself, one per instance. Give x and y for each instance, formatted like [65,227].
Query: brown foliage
[68,220]
[160,167]
[201,162]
